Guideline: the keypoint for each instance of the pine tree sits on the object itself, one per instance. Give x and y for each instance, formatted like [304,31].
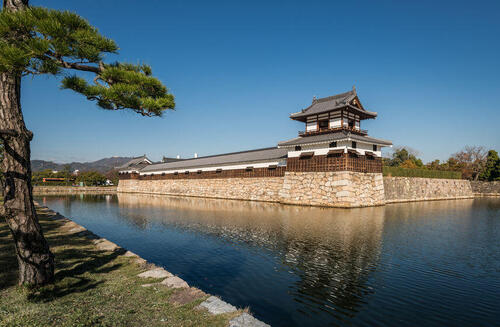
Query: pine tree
[36,41]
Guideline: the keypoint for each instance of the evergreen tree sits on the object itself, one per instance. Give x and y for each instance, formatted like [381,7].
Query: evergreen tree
[491,170]
[36,41]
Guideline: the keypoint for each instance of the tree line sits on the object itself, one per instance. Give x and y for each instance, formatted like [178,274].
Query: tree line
[88,178]
[474,162]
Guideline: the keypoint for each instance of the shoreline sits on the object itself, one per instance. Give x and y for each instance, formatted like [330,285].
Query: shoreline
[212,304]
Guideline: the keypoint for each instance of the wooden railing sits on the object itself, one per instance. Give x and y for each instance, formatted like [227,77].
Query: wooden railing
[338,162]
[330,130]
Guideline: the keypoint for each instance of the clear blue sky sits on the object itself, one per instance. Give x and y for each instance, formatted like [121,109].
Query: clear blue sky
[431,69]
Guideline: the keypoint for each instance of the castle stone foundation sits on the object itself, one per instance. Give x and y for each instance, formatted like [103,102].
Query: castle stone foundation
[333,189]
[344,189]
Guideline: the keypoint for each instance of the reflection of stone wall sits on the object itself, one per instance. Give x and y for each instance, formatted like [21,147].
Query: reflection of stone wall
[402,189]
[335,189]
[486,188]
[331,252]
[259,189]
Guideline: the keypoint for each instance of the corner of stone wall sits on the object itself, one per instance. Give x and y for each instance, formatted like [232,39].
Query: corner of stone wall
[344,189]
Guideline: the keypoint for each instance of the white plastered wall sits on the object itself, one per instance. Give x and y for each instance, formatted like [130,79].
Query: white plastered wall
[214,168]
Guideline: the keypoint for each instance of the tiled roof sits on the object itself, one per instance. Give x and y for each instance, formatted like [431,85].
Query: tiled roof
[330,103]
[137,163]
[265,154]
[325,138]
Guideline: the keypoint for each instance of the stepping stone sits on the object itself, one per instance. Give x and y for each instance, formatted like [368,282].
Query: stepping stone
[155,273]
[246,320]
[216,306]
[130,254]
[175,282]
[106,245]
[77,229]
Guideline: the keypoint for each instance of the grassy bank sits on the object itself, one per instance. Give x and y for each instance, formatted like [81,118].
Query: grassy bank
[93,288]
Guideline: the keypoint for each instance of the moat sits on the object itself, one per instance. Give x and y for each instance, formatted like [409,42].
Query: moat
[424,263]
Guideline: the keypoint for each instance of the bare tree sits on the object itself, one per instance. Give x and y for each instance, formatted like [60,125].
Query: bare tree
[471,160]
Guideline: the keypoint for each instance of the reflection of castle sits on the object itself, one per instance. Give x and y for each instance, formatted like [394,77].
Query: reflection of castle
[332,142]
[331,252]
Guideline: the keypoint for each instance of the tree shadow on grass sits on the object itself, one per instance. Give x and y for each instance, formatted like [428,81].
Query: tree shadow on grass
[79,266]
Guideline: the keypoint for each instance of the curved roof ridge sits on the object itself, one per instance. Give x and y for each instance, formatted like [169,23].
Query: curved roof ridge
[340,95]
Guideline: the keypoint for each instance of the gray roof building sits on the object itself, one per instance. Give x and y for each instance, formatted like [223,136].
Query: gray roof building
[258,155]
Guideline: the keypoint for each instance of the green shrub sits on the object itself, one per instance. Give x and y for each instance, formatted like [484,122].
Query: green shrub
[427,173]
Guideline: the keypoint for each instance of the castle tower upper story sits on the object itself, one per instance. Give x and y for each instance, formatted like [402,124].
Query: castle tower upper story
[333,125]
[334,113]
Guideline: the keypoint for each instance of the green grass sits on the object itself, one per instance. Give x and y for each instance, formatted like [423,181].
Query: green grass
[427,173]
[92,288]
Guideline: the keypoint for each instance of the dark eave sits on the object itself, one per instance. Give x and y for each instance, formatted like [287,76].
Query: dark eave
[327,138]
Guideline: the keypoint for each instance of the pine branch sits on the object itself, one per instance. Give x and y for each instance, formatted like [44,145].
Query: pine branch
[42,41]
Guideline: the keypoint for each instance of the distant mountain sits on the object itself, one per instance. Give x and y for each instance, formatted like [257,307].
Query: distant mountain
[102,165]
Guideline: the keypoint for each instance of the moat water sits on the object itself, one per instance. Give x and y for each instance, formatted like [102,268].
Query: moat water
[412,264]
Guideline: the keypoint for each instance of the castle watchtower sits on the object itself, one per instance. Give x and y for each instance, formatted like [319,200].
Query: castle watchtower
[334,113]
[333,137]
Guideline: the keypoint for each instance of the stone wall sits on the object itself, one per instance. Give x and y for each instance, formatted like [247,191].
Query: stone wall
[258,189]
[344,189]
[486,188]
[335,189]
[404,189]
[72,189]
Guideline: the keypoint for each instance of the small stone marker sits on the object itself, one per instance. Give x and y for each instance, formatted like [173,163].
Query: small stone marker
[246,320]
[155,273]
[216,306]
[175,282]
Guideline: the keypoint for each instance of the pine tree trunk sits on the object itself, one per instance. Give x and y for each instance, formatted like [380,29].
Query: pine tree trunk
[36,262]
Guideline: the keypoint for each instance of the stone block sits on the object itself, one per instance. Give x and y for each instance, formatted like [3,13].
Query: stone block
[246,320]
[175,282]
[155,273]
[216,306]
